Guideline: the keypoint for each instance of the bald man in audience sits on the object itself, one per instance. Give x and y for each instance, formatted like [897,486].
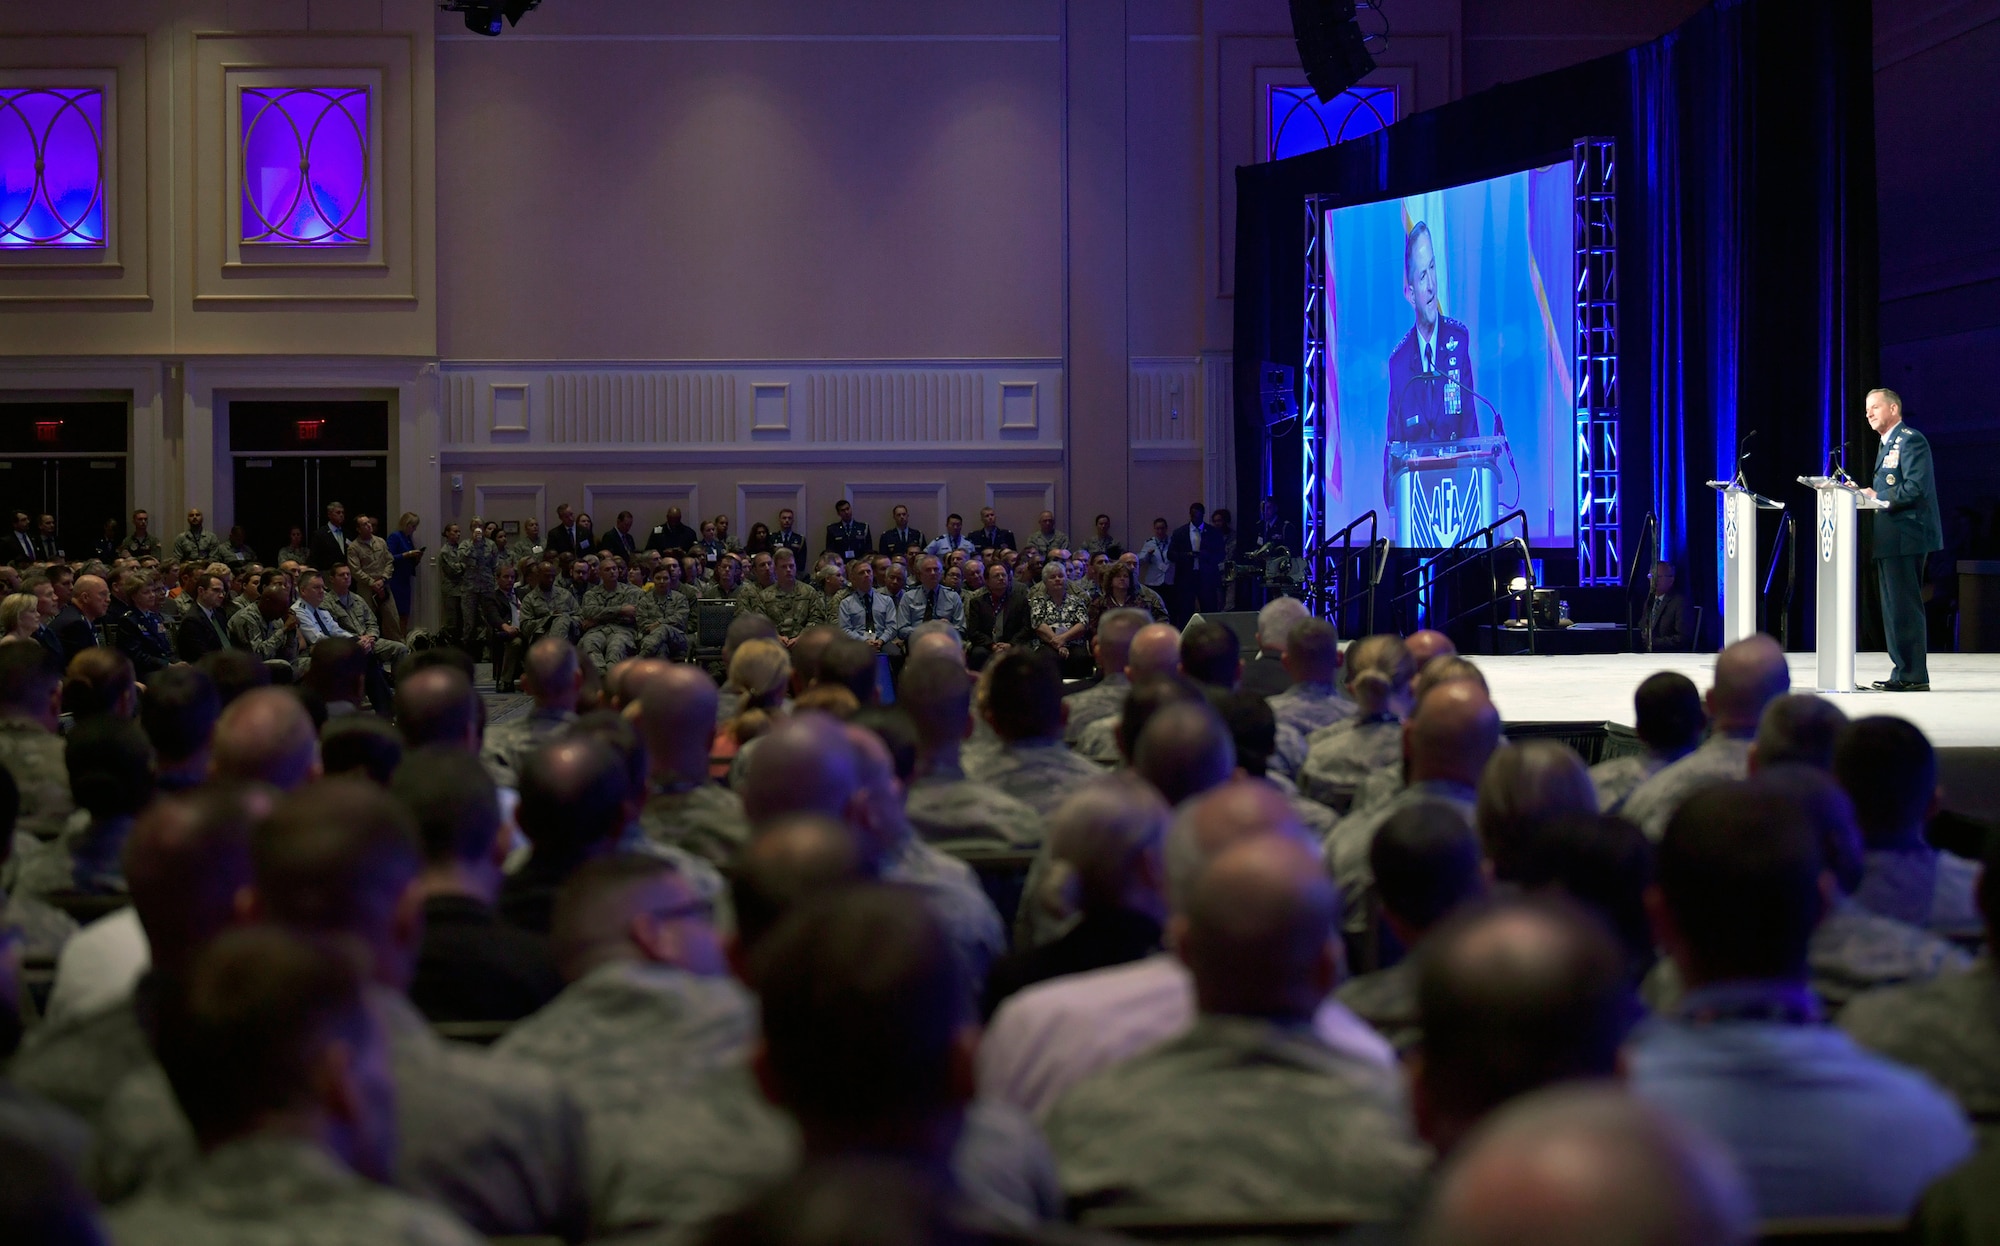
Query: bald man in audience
[1248,1111]
[1383,784]
[552,674]
[650,1010]
[1110,837]
[437,705]
[1588,1166]
[1155,651]
[1025,708]
[577,800]
[266,736]
[1112,647]
[1427,644]
[945,807]
[684,806]
[1514,997]
[1446,745]
[1427,866]
[1315,700]
[1185,750]
[1749,675]
[1052,1036]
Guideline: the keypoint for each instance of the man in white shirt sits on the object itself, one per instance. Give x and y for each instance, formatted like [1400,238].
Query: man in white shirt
[1050,1037]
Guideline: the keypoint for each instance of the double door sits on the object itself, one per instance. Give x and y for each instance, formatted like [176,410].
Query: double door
[293,459]
[66,459]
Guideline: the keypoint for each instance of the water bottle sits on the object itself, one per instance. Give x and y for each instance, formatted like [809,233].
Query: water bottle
[1563,610]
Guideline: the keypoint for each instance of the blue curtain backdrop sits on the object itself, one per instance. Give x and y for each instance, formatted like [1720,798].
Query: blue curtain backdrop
[1747,257]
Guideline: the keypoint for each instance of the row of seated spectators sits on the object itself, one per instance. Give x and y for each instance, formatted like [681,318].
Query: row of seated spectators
[1308,938]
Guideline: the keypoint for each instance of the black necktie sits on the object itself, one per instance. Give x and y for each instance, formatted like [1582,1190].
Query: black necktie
[1429,361]
[930,605]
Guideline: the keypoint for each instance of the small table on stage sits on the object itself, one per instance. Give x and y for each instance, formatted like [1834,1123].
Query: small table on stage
[1834,543]
[1739,556]
[1445,490]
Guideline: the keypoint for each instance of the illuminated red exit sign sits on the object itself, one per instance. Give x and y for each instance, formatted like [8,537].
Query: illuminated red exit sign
[308,430]
[48,430]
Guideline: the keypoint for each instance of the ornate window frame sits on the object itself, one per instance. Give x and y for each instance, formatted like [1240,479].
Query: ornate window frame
[344,110]
[244,253]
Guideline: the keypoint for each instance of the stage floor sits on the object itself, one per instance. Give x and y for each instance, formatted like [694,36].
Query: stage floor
[1961,711]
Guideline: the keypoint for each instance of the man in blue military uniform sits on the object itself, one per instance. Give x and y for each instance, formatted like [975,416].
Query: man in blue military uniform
[1430,371]
[847,536]
[1904,534]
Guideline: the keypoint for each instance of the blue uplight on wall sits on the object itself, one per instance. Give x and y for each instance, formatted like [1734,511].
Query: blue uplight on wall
[1297,122]
[51,167]
[305,165]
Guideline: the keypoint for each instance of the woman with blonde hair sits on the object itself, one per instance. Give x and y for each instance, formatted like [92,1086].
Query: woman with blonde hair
[20,617]
[759,672]
[1340,757]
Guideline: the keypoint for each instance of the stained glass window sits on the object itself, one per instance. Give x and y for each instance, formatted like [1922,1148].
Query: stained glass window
[51,167]
[305,165]
[1297,122]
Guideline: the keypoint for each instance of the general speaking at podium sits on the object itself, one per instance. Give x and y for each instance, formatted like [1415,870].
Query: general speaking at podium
[1430,372]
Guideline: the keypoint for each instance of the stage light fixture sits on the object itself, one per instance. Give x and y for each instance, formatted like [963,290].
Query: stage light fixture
[485,17]
[1332,48]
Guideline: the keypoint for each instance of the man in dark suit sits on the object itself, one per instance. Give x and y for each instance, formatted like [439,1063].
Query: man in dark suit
[566,538]
[991,535]
[1430,372]
[45,540]
[620,540]
[897,541]
[205,628]
[328,547]
[1197,552]
[1664,627]
[21,545]
[788,537]
[1905,535]
[997,619]
[673,534]
[1269,537]
[847,536]
[79,627]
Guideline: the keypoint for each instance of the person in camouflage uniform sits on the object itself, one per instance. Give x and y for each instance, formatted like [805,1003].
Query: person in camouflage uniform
[547,607]
[667,620]
[611,617]
[197,544]
[351,609]
[451,586]
[480,560]
[791,606]
[1313,702]
[373,564]
[1024,706]
[1111,646]
[1249,1111]
[268,628]
[30,748]
[1340,756]
[142,543]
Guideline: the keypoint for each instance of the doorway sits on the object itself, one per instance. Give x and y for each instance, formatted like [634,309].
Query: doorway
[67,459]
[291,459]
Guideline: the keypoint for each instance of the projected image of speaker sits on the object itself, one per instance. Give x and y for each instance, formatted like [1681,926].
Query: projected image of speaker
[1332,48]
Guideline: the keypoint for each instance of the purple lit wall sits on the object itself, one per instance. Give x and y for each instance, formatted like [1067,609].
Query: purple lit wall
[305,165]
[51,167]
[1298,122]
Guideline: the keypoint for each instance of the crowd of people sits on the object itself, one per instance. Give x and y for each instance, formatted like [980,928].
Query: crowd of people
[807,954]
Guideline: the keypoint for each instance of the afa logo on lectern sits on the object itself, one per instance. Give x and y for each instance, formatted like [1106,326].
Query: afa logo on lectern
[1449,511]
[1826,517]
[1728,533]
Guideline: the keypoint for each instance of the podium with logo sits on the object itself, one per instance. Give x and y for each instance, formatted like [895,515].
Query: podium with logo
[1838,504]
[1445,490]
[1740,505]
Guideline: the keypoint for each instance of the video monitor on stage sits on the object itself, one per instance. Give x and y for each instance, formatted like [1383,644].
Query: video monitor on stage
[1448,382]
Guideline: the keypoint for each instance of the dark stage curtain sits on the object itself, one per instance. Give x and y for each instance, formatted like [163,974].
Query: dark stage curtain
[1747,257]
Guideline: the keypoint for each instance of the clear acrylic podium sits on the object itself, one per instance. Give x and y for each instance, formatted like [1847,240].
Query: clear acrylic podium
[1739,556]
[1834,544]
